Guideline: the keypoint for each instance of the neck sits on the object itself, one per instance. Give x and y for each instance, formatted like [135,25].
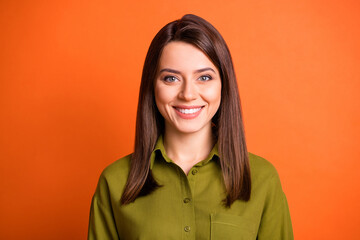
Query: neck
[187,149]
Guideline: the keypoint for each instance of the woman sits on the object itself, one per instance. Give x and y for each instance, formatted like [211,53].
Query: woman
[189,176]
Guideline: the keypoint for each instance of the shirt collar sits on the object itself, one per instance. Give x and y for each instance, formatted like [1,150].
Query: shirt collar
[159,147]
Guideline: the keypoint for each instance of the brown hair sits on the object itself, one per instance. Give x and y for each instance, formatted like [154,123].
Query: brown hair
[228,129]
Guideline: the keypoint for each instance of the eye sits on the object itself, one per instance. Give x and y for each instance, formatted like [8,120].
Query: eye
[170,79]
[205,78]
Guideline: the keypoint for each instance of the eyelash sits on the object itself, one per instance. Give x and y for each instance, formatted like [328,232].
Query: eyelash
[205,76]
[166,78]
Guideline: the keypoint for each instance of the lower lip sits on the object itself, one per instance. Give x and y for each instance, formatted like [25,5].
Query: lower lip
[188,116]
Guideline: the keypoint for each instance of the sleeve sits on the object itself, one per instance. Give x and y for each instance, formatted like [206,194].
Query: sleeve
[101,221]
[275,222]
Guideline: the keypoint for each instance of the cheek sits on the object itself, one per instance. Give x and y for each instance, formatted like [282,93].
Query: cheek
[158,98]
[213,95]
[162,96]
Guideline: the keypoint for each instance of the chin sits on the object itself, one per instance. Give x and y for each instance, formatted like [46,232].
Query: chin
[189,129]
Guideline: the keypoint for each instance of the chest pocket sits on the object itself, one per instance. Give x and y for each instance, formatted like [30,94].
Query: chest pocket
[231,227]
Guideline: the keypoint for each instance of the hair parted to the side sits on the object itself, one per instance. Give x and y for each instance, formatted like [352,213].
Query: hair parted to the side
[228,122]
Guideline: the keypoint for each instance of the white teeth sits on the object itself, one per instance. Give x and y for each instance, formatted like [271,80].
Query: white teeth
[189,111]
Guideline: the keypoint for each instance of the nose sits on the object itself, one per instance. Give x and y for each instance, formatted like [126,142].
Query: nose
[188,91]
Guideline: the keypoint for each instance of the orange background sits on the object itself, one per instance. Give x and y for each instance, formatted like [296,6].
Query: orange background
[69,79]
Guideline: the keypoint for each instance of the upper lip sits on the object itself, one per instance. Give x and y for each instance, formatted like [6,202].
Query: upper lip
[187,107]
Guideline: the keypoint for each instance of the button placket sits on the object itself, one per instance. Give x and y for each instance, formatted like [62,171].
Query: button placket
[188,223]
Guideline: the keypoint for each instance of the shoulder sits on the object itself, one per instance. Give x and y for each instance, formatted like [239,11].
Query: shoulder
[114,176]
[119,167]
[268,196]
[259,165]
[262,170]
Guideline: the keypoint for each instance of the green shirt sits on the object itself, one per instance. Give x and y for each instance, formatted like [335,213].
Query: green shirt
[189,206]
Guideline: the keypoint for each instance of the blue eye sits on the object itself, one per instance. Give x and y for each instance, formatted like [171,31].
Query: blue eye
[170,79]
[205,78]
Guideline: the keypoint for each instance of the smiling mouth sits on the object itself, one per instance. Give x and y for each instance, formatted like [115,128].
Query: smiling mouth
[188,110]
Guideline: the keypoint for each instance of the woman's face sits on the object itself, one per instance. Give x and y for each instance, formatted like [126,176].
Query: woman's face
[187,88]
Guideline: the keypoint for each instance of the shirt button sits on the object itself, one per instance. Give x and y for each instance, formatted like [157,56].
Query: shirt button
[194,171]
[187,229]
[186,200]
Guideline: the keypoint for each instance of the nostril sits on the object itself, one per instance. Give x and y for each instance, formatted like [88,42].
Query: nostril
[187,94]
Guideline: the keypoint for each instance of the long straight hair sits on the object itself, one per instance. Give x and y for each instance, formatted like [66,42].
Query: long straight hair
[228,130]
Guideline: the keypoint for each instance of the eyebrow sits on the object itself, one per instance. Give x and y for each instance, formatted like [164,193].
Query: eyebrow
[178,72]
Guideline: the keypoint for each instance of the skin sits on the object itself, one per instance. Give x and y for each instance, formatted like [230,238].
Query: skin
[187,79]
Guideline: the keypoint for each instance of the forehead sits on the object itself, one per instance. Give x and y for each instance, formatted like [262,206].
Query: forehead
[184,56]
